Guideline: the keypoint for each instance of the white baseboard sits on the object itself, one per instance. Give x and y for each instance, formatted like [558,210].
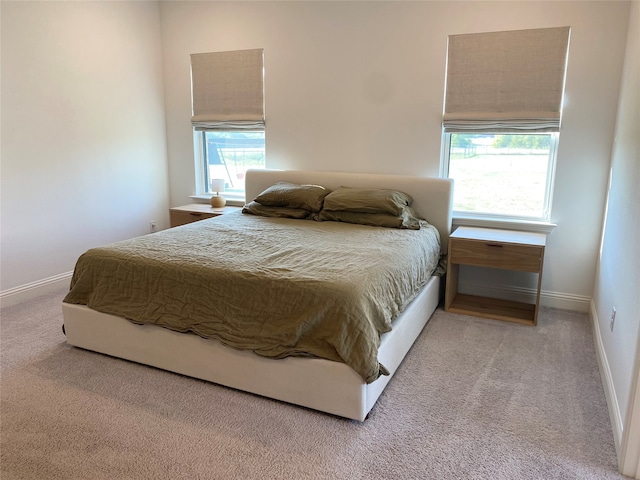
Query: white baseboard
[31,290]
[565,301]
[607,380]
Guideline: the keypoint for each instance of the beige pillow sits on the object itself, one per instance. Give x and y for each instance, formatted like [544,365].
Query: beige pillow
[256,208]
[367,200]
[291,195]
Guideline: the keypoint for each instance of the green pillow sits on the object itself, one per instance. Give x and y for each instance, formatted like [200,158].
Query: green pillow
[256,208]
[367,200]
[291,195]
[408,219]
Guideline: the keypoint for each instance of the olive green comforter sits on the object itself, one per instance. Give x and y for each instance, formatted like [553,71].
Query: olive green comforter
[278,287]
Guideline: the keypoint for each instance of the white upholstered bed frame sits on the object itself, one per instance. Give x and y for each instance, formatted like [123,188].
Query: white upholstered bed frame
[319,384]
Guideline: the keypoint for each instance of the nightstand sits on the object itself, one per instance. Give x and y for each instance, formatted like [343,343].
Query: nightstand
[503,249]
[194,212]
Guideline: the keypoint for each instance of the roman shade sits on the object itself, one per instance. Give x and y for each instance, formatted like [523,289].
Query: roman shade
[506,81]
[227,90]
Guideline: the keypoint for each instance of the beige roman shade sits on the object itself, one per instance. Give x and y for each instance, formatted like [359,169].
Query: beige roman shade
[506,81]
[227,89]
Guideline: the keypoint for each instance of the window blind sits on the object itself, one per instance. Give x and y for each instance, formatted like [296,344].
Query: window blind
[227,90]
[506,81]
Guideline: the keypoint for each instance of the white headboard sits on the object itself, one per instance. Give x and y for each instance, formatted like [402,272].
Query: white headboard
[432,197]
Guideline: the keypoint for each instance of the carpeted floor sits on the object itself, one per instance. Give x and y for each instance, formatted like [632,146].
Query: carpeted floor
[474,399]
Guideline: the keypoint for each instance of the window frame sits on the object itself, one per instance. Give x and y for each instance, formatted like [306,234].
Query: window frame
[497,220]
[200,157]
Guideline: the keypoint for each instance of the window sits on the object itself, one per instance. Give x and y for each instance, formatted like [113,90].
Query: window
[501,121]
[502,175]
[227,91]
[228,155]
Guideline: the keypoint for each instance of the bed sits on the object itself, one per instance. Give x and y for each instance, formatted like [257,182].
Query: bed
[345,386]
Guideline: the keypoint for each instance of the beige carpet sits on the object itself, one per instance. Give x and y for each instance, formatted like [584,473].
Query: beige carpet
[474,399]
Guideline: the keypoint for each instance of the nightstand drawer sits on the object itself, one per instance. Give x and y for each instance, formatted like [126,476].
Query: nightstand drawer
[194,212]
[526,258]
[181,218]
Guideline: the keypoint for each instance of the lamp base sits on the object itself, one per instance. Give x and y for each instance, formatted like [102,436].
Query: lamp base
[218,201]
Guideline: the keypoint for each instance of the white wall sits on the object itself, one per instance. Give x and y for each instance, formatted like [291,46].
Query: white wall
[83,135]
[358,86]
[617,281]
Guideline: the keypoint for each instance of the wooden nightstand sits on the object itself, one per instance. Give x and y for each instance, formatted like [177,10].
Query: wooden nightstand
[504,249]
[194,212]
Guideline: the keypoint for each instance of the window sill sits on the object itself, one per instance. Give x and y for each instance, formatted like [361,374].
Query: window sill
[231,201]
[523,225]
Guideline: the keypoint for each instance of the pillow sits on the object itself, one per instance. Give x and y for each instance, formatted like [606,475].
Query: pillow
[367,200]
[285,194]
[256,208]
[408,219]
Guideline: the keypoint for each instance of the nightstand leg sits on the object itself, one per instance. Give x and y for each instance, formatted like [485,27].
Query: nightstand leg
[452,284]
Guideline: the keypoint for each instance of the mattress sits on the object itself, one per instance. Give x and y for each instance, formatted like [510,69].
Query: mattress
[277,287]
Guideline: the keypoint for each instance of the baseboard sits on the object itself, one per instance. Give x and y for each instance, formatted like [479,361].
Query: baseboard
[565,301]
[32,290]
[607,380]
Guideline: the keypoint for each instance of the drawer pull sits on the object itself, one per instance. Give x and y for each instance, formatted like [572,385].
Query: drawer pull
[491,244]
[195,214]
